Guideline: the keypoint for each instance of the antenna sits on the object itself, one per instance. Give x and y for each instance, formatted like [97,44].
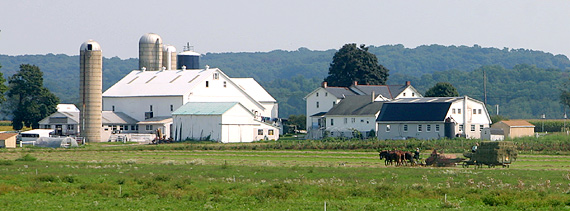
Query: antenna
[188,47]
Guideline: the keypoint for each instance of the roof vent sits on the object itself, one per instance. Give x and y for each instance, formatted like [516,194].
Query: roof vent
[163,68]
[183,67]
[207,67]
[143,69]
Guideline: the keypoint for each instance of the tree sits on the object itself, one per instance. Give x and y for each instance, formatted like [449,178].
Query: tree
[3,87]
[296,122]
[31,100]
[351,64]
[442,89]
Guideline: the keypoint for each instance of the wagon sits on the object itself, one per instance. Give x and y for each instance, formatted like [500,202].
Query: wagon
[491,154]
[442,160]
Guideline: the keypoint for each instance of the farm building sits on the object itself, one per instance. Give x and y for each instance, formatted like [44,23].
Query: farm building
[324,98]
[353,115]
[493,134]
[432,118]
[8,140]
[225,122]
[515,128]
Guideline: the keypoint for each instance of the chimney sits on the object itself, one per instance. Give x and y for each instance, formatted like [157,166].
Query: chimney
[356,83]
[373,96]
[324,84]
[408,83]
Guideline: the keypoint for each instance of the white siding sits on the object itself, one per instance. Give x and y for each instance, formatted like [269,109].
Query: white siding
[397,131]
[136,107]
[325,100]
[344,129]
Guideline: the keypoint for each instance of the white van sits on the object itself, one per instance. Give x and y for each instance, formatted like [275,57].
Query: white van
[29,137]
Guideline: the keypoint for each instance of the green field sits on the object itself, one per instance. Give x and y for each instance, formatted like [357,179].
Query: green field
[122,177]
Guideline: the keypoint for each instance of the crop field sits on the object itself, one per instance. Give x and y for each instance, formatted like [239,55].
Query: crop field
[170,177]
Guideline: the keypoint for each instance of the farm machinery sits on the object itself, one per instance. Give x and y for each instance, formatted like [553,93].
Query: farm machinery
[492,153]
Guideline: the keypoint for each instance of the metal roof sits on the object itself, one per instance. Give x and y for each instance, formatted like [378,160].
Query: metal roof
[204,108]
[158,83]
[156,120]
[253,88]
[359,105]
[413,112]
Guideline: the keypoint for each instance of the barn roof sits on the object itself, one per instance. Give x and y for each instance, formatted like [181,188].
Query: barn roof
[204,108]
[517,123]
[254,89]
[414,112]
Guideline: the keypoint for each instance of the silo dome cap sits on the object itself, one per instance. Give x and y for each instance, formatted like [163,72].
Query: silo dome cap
[150,38]
[189,53]
[168,48]
[94,46]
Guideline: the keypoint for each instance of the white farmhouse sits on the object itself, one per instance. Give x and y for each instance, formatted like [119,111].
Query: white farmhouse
[226,122]
[432,118]
[322,99]
[354,114]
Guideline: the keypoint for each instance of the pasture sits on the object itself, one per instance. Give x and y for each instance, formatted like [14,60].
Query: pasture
[171,177]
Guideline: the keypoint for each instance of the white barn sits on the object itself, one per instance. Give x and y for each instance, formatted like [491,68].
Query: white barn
[226,122]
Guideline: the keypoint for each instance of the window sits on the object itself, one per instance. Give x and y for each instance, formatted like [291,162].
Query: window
[419,128]
[171,108]
[458,111]
[70,127]
[317,94]
[112,108]
[317,104]
[259,131]
[472,127]
[216,76]
[150,107]
[362,120]
[481,127]
[405,128]
[436,128]
[47,126]
[413,94]
[345,120]
[332,122]
[460,127]
[148,127]
[121,127]
[453,110]
[332,133]
[114,127]
[270,132]
[404,94]
[428,128]
[207,84]
[479,111]
[387,128]
[474,111]
[353,120]
[326,94]
[137,127]
[225,84]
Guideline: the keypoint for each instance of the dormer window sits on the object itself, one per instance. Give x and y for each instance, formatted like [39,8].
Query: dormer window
[207,84]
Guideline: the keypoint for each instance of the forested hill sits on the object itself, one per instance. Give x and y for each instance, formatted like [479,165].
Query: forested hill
[290,75]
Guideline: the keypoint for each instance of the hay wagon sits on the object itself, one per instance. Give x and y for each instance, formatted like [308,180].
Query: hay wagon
[442,160]
[492,153]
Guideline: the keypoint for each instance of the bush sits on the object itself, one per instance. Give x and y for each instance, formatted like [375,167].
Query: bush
[27,157]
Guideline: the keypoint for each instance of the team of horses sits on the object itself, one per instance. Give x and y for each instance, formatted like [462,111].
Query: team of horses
[397,157]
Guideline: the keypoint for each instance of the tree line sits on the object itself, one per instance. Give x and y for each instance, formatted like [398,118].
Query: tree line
[524,83]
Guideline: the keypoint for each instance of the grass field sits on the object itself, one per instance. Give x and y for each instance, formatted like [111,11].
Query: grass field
[121,177]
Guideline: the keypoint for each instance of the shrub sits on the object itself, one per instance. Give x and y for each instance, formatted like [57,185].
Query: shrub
[6,162]
[27,157]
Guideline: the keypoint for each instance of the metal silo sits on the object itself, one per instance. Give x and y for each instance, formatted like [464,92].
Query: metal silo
[150,52]
[90,90]
[169,57]
[189,58]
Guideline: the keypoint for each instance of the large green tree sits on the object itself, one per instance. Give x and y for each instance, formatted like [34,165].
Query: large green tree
[31,101]
[3,87]
[442,89]
[353,63]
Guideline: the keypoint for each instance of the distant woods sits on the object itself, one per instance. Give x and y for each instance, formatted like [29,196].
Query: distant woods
[524,83]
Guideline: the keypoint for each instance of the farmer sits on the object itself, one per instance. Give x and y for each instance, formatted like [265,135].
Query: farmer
[417,154]
[474,148]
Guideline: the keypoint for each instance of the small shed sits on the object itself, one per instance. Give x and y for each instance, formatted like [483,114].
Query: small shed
[8,140]
[492,134]
[515,128]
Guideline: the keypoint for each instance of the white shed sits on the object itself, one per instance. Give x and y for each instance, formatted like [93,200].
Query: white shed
[226,122]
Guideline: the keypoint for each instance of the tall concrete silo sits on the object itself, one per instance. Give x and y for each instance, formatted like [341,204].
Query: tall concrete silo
[90,90]
[169,57]
[150,52]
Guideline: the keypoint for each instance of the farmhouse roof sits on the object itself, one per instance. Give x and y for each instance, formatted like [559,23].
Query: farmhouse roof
[414,112]
[360,105]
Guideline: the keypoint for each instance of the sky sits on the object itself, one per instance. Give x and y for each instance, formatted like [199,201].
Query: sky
[216,26]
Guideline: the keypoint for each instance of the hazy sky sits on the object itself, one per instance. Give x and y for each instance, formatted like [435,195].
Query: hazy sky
[40,27]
